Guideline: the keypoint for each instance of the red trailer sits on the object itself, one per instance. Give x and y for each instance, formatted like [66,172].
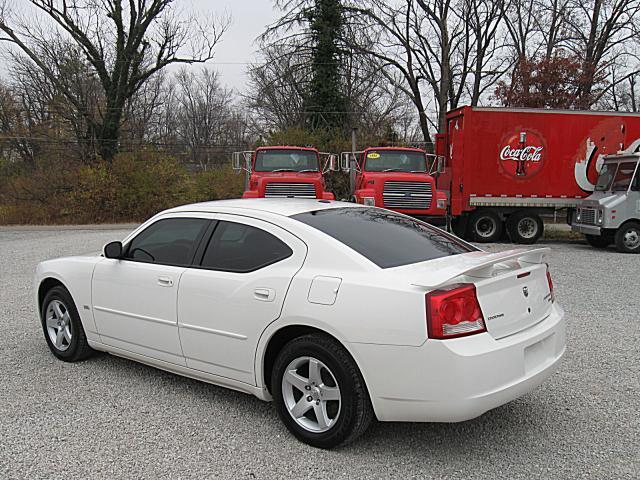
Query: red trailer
[285,172]
[506,167]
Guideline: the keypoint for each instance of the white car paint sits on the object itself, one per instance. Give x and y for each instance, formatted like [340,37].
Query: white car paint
[216,326]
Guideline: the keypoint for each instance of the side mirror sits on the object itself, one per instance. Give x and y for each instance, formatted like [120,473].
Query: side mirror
[344,161]
[236,162]
[333,163]
[113,250]
[441,164]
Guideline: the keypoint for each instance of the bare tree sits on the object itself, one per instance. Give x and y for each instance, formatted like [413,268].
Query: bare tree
[125,43]
[204,109]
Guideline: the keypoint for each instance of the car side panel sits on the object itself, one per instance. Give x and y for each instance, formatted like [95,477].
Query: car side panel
[75,274]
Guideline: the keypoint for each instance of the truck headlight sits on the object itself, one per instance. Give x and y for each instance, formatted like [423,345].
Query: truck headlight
[369,201]
[600,216]
[441,203]
[578,215]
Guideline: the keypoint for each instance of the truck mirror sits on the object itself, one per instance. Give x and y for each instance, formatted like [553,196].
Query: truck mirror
[344,161]
[333,163]
[236,162]
[441,164]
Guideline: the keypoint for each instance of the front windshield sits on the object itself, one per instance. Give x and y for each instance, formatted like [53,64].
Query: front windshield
[395,161]
[286,161]
[623,177]
[606,177]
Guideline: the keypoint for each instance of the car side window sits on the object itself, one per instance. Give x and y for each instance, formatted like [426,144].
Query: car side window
[236,247]
[171,241]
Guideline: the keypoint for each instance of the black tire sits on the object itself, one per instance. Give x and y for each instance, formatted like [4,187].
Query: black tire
[355,411]
[525,227]
[599,241]
[485,226]
[459,227]
[628,238]
[70,351]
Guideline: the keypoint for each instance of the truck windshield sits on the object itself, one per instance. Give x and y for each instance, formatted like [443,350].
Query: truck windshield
[623,177]
[386,238]
[286,161]
[607,172]
[395,161]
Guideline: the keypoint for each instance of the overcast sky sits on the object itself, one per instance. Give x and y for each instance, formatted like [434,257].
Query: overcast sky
[238,45]
[249,19]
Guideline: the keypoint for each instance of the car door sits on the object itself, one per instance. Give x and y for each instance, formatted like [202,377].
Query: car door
[135,298]
[237,290]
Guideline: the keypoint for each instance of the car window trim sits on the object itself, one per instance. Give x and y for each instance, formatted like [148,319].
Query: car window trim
[198,242]
[198,265]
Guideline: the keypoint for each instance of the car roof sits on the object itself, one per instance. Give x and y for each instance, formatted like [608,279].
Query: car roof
[279,206]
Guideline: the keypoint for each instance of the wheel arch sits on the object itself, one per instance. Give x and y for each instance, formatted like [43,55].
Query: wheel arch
[279,338]
[45,285]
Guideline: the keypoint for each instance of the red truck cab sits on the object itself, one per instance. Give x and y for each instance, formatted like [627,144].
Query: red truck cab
[396,178]
[282,172]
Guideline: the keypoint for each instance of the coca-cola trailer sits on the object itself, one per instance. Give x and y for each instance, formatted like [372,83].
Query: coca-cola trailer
[504,168]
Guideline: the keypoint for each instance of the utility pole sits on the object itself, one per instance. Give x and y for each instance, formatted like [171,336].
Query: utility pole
[352,162]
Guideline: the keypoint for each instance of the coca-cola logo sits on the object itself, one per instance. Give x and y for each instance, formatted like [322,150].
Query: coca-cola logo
[526,154]
[522,154]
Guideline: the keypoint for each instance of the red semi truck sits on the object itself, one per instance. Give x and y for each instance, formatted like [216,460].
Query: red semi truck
[284,171]
[396,178]
[503,168]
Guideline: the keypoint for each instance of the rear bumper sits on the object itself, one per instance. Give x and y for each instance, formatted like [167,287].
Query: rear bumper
[586,229]
[459,379]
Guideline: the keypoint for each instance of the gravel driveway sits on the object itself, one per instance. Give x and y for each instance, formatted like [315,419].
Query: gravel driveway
[112,418]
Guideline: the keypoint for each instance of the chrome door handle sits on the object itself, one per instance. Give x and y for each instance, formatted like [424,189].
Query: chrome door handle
[165,281]
[264,294]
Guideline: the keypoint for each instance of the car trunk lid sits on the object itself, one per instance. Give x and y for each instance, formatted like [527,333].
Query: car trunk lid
[512,286]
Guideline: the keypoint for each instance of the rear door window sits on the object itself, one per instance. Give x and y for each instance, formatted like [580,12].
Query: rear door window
[386,238]
[236,247]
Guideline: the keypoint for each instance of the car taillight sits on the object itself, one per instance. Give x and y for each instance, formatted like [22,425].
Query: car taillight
[553,296]
[454,312]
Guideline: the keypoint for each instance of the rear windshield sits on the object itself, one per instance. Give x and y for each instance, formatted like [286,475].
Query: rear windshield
[386,238]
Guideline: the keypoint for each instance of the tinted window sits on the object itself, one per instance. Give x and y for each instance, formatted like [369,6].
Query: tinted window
[171,241]
[386,238]
[286,160]
[235,247]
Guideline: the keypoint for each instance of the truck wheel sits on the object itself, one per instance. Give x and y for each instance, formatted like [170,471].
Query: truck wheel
[628,238]
[599,241]
[525,227]
[485,226]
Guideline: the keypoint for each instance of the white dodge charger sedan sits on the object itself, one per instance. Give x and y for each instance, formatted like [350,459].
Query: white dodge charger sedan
[335,311]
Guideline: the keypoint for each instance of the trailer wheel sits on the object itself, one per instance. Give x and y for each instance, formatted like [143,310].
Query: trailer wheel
[599,241]
[485,226]
[628,238]
[525,227]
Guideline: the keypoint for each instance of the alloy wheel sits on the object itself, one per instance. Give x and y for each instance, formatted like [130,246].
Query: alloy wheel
[311,394]
[58,323]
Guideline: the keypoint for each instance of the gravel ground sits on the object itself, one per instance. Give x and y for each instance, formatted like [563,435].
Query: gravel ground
[112,418]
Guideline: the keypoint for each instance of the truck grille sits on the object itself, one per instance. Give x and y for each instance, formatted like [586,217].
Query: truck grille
[408,195]
[588,216]
[288,189]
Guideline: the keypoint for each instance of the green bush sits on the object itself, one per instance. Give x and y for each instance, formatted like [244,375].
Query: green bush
[134,187]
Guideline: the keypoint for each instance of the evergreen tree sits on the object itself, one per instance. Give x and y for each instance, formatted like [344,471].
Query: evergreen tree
[326,103]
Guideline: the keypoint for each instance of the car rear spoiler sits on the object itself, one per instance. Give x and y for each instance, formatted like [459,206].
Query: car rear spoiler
[477,264]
